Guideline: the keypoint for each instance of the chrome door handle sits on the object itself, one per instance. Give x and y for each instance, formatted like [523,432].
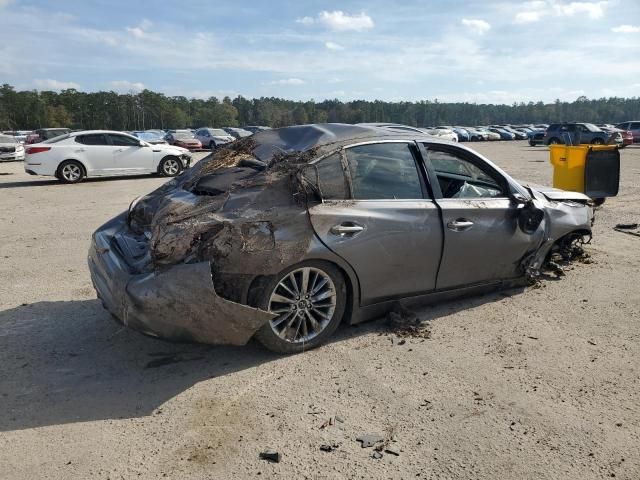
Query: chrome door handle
[346,229]
[80,150]
[118,150]
[460,224]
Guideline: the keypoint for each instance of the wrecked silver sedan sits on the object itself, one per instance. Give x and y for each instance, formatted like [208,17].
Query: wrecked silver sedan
[288,232]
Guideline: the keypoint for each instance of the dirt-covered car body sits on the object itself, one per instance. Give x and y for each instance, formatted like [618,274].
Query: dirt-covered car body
[402,216]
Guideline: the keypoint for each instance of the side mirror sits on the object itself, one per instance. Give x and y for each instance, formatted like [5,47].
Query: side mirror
[518,199]
[142,144]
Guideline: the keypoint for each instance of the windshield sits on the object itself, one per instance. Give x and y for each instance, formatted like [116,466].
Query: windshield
[183,135]
[148,136]
[56,139]
[591,127]
[7,139]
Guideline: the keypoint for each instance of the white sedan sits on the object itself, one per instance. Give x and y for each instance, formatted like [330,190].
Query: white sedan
[100,153]
[10,148]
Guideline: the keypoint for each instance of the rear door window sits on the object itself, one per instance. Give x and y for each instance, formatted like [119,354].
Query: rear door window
[92,139]
[123,141]
[383,171]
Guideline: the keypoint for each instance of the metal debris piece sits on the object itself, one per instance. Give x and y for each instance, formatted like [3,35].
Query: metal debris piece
[270,455]
[392,451]
[370,439]
[377,455]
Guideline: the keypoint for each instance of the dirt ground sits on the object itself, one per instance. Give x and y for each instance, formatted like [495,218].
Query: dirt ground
[526,384]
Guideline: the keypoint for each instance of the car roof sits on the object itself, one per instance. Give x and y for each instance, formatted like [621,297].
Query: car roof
[87,132]
[302,138]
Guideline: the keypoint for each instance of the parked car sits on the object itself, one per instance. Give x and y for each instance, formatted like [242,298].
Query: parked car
[183,139]
[213,137]
[275,237]
[504,135]
[518,135]
[150,137]
[633,127]
[622,138]
[19,135]
[94,153]
[237,132]
[490,135]
[463,135]
[559,133]
[445,134]
[43,134]
[476,135]
[10,148]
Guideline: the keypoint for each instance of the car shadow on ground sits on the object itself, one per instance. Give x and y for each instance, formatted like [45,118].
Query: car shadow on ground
[44,183]
[67,362]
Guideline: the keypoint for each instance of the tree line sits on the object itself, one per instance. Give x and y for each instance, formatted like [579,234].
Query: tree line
[31,109]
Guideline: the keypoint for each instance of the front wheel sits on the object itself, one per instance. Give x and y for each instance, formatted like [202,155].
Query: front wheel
[70,172]
[309,300]
[212,145]
[170,166]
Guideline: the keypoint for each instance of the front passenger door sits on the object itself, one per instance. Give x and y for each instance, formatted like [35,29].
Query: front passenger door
[129,157]
[482,239]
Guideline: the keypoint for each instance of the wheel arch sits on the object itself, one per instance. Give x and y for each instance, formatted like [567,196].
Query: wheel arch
[84,167]
[352,302]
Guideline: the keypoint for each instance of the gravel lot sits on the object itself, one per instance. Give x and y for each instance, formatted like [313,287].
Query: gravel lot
[534,383]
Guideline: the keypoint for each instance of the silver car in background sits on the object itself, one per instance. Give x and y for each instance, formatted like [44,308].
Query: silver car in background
[213,137]
[287,233]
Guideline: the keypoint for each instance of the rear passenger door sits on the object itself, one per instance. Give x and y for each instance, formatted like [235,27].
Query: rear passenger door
[482,240]
[94,151]
[378,216]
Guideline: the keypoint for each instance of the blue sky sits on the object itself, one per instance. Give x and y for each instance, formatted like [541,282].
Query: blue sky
[477,51]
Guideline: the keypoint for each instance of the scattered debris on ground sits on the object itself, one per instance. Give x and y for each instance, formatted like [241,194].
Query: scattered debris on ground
[370,439]
[404,323]
[329,447]
[628,228]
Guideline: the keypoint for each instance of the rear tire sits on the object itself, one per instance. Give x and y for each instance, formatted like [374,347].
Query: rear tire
[309,310]
[212,145]
[554,141]
[597,141]
[170,167]
[70,171]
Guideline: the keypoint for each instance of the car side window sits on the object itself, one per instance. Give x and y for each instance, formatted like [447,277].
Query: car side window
[331,178]
[634,126]
[92,139]
[122,141]
[383,171]
[460,178]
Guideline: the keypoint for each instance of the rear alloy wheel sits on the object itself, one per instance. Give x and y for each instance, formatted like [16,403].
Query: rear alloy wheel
[309,301]
[70,172]
[554,141]
[170,166]
[597,141]
[212,145]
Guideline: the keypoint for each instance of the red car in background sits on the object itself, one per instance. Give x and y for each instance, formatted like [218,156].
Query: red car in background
[184,140]
[43,134]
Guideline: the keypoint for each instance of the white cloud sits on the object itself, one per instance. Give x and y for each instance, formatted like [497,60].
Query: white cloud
[333,46]
[338,21]
[5,3]
[477,26]
[626,29]
[51,84]
[536,10]
[594,10]
[126,86]
[141,30]
[288,81]
[306,21]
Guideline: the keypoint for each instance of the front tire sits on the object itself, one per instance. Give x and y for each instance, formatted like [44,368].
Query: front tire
[70,171]
[212,145]
[309,299]
[170,167]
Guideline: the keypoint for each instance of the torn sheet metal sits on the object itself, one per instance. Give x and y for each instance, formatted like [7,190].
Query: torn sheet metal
[179,303]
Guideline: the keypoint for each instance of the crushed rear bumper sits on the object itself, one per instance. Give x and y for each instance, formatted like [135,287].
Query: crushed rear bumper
[177,303]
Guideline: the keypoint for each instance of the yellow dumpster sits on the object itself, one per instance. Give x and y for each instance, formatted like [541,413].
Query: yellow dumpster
[591,169]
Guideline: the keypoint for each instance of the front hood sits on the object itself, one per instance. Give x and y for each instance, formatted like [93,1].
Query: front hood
[556,194]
